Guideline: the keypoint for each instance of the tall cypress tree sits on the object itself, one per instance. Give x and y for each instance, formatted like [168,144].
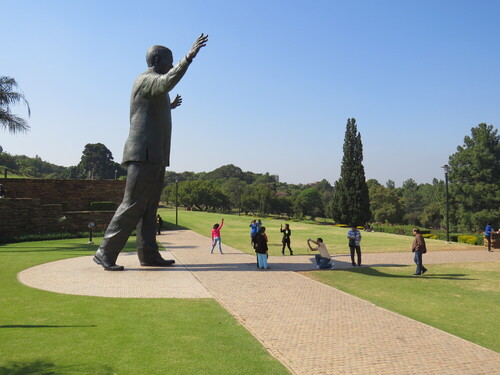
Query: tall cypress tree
[351,201]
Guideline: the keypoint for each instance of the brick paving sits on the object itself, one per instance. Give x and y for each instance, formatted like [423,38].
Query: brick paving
[310,327]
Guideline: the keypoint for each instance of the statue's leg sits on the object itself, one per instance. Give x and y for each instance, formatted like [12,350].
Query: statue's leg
[128,213]
[147,247]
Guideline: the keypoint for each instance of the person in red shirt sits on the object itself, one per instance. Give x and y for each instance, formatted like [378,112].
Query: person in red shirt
[216,236]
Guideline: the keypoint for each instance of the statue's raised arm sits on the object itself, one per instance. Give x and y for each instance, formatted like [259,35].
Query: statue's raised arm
[198,44]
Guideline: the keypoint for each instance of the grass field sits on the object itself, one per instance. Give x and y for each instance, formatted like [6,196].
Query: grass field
[236,233]
[45,333]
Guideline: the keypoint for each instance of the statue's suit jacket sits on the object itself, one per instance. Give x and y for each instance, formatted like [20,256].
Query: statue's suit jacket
[146,152]
[150,118]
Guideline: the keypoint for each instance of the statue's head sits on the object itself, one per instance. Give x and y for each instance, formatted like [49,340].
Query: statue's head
[160,59]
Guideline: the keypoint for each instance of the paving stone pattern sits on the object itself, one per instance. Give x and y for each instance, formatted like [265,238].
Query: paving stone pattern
[316,329]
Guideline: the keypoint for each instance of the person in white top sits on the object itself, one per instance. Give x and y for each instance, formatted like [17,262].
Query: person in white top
[323,259]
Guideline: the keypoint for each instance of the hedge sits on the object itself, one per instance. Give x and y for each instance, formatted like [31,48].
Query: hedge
[471,240]
[102,206]
[405,230]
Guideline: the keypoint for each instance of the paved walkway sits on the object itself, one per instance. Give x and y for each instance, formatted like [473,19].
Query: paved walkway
[310,327]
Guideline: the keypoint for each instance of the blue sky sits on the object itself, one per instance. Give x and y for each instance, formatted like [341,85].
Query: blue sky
[274,87]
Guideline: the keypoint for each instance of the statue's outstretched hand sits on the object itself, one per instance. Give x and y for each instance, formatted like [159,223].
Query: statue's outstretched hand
[177,102]
[198,44]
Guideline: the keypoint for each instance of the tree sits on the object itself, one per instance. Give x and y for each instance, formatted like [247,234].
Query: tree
[475,179]
[411,201]
[351,201]
[226,171]
[9,96]
[97,163]
[264,195]
[233,188]
[308,202]
[390,184]
[385,204]
[431,215]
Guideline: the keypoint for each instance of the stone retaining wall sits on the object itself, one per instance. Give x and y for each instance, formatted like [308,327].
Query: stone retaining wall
[33,206]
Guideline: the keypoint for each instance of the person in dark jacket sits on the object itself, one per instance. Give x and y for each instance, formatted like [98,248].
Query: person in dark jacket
[418,248]
[260,246]
[286,239]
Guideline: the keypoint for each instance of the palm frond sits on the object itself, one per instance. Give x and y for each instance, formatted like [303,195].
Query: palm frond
[7,97]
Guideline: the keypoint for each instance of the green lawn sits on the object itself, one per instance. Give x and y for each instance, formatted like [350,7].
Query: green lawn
[236,233]
[461,299]
[46,333]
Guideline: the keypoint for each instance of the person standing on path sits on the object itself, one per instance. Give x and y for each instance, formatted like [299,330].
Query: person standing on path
[286,238]
[487,234]
[216,236]
[418,248]
[253,230]
[261,248]
[159,223]
[354,236]
[323,259]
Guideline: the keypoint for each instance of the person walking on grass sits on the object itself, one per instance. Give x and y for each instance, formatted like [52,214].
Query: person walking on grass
[261,248]
[354,236]
[418,248]
[216,236]
[323,259]
[286,238]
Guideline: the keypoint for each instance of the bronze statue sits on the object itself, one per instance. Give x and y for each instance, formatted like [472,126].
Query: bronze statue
[146,154]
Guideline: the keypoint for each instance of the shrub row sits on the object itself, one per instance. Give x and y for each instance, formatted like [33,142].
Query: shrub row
[102,206]
[47,237]
[50,236]
[471,240]
[405,230]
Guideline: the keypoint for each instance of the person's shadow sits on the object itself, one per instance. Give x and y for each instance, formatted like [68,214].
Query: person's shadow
[41,367]
[377,273]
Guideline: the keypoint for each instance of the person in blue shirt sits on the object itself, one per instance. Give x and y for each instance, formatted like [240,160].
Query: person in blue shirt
[253,230]
[354,236]
[487,234]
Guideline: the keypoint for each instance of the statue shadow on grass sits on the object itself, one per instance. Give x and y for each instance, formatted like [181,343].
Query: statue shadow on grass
[41,367]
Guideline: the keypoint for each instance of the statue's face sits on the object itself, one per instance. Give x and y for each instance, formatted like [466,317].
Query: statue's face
[164,63]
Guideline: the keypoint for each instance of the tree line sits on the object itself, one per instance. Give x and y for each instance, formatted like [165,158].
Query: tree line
[96,163]
[474,176]
[474,190]
[474,187]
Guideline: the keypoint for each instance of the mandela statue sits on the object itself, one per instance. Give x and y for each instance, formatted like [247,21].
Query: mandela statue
[146,154]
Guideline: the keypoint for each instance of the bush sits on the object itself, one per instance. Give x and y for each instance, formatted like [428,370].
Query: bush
[102,206]
[405,230]
[50,236]
[471,240]
[431,236]
[47,237]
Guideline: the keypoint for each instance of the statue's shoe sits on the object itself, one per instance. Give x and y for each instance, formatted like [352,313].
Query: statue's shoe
[158,263]
[106,265]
